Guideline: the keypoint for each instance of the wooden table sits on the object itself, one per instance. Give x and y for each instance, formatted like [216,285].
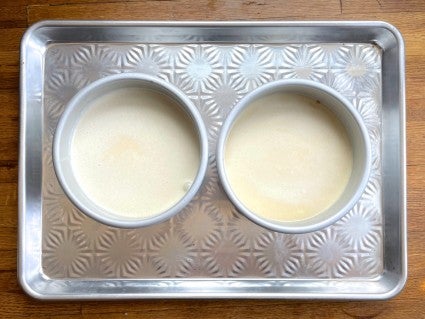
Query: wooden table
[17,15]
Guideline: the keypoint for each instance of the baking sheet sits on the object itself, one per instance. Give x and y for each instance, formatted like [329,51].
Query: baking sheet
[209,249]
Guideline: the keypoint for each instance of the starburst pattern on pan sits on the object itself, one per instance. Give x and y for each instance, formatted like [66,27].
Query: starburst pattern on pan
[61,86]
[376,156]
[210,238]
[143,59]
[47,142]
[224,256]
[56,205]
[357,66]
[59,57]
[330,80]
[372,192]
[250,66]
[275,52]
[241,229]
[169,53]
[329,51]
[211,188]
[361,228]
[368,103]
[212,118]
[277,255]
[173,255]
[119,251]
[372,121]
[196,65]
[303,61]
[93,62]
[64,254]
[116,53]
[371,262]
[145,268]
[86,228]
[208,223]
[221,207]
[149,236]
[370,116]
[213,196]
[222,94]
[222,52]
[329,255]
[302,240]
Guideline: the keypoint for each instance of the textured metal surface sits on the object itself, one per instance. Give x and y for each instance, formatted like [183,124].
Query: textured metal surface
[209,238]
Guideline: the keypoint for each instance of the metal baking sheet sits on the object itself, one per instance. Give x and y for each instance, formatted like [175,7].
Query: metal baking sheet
[209,250]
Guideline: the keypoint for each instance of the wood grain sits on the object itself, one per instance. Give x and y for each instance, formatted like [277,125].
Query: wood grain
[16,16]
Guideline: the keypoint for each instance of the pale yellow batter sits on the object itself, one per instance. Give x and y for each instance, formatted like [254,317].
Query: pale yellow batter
[135,152]
[288,157]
